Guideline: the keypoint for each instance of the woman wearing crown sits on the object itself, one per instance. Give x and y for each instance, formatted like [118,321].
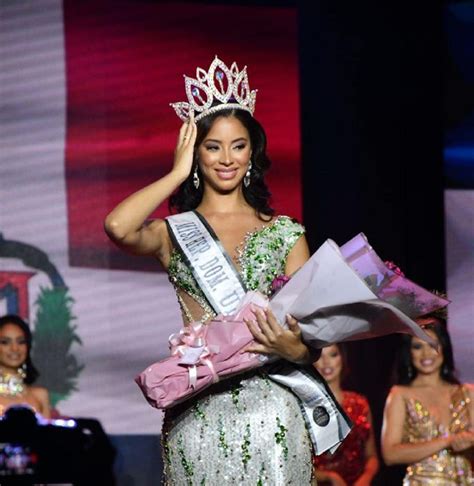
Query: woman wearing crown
[248,429]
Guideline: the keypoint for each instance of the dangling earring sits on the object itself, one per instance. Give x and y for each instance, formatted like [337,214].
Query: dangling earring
[196,180]
[445,370]
[247,175]
[22,371]
[410,371]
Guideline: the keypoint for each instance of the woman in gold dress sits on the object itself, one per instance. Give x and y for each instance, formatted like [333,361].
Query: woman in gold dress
[17,372]
[428,419]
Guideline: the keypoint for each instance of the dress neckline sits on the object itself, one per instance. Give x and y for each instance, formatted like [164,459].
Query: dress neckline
[241,248]
[248,234]
[427,413]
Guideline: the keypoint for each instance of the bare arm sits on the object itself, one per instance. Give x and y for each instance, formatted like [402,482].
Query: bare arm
[298,256]
[464,441]
[42,395]
[372,462]
[393,450]
[331,477]
[270,337]
[125,223]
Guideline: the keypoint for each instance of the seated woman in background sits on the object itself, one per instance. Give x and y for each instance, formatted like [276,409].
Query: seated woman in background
[428,415]
[355,461]
[17,372]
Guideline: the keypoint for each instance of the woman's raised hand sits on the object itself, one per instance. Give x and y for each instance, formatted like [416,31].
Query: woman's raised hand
[272,338]
[183,155]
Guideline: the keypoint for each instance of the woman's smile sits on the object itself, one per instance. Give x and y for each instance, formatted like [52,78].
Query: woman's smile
[226,174]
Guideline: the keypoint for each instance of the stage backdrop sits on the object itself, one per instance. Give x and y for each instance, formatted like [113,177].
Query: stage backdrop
[85,120]
[459,180]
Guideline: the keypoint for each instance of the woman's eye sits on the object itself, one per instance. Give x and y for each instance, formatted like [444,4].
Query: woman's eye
[240,147]
[416,346]
[212,148]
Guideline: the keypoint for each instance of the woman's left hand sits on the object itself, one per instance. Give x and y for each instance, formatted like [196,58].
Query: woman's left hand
[273,339]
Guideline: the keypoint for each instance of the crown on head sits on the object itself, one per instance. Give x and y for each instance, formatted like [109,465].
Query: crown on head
[228,86]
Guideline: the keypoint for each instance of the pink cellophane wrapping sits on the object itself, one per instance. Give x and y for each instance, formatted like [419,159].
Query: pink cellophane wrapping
[337,296]
[388,282]
[340,294]
[167,382]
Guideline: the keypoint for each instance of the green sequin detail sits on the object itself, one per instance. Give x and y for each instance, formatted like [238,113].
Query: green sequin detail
[262,257]
[168,452]
[262,475]
[234,393]
[222,442]
[199,413]
[246,456]
[187,466]
[280,437]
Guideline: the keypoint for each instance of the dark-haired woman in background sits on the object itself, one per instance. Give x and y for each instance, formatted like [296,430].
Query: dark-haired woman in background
[428,419]
[249,430]
[355,462]
[17,372]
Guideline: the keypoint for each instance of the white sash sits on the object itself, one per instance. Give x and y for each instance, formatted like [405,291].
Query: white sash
[208,260]
[212,268]
[326,421]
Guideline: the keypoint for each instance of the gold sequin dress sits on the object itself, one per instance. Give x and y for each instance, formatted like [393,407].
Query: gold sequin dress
[446,467]
[247,429]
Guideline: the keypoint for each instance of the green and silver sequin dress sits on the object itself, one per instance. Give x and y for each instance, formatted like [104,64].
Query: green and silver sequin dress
[246,430]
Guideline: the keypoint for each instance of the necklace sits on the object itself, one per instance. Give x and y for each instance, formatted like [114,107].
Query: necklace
[11,384]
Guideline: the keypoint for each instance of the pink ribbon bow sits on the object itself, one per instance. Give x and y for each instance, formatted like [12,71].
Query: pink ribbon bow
[191,345]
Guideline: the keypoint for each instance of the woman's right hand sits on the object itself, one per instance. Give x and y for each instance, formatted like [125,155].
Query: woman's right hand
[183,154]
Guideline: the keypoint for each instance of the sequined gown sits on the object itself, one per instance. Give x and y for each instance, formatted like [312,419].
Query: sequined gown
[247,429]
[445,468]
[349,459]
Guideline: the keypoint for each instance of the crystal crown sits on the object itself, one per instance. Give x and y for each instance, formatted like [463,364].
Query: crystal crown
[229,87]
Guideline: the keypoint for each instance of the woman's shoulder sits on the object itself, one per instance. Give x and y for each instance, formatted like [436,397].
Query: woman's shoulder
[400,393]
[288,223]
[354,399]
[352,395]
[39,392]
[469,390]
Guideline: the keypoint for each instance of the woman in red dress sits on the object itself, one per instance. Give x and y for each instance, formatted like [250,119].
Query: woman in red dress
[355,461]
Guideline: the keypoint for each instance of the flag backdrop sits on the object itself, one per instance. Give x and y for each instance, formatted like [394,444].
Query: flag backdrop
[85,121]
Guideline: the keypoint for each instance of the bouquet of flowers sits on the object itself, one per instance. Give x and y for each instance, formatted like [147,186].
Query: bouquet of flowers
[340,294]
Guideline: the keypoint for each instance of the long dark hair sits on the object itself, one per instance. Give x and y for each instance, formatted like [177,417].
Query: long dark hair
[345,368]
[406,372]
[31,372]
[187,197]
